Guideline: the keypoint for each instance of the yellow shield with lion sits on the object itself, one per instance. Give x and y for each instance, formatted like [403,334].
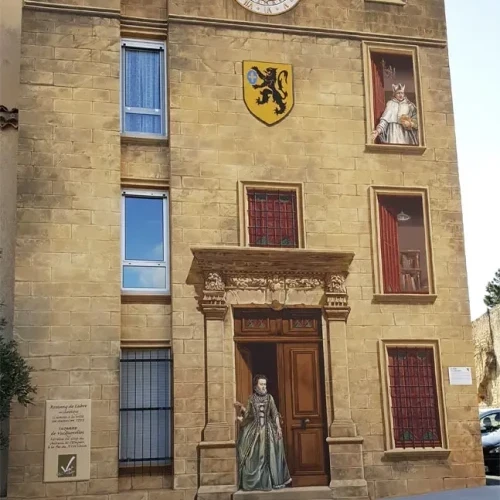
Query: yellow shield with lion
[268,90]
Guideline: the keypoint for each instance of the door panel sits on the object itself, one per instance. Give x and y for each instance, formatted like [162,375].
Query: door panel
[243,373]
[308,442]
[301,324]
[305,397]
[305,427]
[254,324]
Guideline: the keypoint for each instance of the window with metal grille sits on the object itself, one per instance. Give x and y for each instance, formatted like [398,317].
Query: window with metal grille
[413,396]
[145,408]
[272,218]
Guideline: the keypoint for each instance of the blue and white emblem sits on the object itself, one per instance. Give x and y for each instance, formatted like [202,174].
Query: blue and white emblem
[252,77]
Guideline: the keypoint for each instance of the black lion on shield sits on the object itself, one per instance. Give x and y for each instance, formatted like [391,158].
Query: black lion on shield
[273,88]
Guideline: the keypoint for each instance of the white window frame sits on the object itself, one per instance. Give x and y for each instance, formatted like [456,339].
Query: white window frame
[165,263]
[162,112]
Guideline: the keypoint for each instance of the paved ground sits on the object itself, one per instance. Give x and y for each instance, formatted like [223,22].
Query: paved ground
[484,493]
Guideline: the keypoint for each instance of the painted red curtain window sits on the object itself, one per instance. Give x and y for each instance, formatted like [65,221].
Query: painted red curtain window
[272,218]
[402,243]
[413,395]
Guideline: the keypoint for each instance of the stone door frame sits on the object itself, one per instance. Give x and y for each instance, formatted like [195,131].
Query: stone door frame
[273,278]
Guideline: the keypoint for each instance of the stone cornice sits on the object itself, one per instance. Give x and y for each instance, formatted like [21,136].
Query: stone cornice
[138,26]
[71,9]
[158,27]
[274,269]
[306,31]
[230,260]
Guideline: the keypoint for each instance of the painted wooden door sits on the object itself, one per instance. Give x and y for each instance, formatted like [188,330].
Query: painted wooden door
[305,429]
[243,373]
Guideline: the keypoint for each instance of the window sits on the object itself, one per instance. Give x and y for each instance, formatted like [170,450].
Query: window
[413,395]
[490,422]
[403,254]
[145,242]
[393,98]
[143,88]
[145,408]
[272,216]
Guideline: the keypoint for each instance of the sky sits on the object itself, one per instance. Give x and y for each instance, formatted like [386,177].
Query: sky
[474,41]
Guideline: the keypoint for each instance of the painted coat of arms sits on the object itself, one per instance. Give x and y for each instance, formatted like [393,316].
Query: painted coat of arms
[268,90]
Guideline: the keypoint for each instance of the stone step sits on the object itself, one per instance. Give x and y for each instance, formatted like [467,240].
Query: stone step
[306,493]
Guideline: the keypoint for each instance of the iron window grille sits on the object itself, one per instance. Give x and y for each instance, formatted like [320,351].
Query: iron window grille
[145,409]
[413,395]
[272,218]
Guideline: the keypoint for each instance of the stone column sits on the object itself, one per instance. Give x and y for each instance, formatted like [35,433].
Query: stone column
[10,54]
[345,446]
[217,450]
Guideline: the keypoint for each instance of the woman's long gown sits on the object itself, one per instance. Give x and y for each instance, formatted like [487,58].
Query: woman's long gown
[261,455]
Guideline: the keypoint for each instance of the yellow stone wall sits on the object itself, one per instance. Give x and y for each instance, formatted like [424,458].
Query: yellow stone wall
[67,268]
[417,18]
[215,142]
[69,315]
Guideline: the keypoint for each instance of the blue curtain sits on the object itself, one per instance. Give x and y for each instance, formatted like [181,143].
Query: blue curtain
[143,84]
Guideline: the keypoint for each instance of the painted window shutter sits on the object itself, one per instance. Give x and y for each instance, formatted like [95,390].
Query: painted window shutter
[389,248]
[377,89]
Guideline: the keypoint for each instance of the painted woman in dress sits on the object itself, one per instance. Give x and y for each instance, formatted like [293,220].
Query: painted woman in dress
[398,123]
[261,454]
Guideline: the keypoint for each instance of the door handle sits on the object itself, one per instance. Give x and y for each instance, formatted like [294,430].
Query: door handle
[304,422]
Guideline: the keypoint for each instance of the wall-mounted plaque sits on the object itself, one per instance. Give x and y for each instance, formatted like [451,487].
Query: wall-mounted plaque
[67,440]
[460,375]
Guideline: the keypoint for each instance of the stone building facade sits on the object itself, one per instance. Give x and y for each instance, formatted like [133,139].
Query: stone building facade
[76,166]
[486,335]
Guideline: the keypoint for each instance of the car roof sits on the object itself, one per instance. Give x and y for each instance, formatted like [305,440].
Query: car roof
[488,411]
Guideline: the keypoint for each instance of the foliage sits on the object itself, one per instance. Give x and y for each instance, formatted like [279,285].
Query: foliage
[15,380]
[492,297]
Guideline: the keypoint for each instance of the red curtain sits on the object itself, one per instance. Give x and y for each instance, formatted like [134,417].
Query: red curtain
[377,89]
[414,397]
[389,248]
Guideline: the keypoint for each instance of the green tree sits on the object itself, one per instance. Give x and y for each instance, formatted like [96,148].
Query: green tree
[15,380]
[492,297]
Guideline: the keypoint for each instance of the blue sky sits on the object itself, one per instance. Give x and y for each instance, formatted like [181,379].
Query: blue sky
[474,42]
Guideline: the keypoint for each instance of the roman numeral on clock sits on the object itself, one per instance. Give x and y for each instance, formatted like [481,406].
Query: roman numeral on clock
[272,8]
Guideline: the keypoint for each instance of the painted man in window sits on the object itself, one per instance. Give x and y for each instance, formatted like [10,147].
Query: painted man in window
[398,123]
[261,453]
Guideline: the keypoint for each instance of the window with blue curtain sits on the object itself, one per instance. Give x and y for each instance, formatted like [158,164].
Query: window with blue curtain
[143,88]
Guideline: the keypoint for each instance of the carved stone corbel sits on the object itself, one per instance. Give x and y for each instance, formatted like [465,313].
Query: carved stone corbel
[336,306]
[214,304]
[9,117]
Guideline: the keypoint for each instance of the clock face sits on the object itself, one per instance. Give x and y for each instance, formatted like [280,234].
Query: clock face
[268,7]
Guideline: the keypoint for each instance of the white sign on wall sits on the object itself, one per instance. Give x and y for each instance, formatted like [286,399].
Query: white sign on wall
[67,440]
[460,375]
